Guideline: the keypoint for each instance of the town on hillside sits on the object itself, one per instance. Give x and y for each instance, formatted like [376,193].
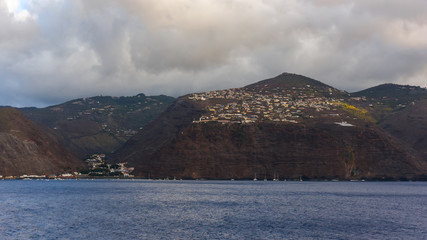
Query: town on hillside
[244,105]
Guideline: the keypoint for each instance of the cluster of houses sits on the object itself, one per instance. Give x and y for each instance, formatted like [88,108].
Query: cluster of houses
[98,167]
[242,105]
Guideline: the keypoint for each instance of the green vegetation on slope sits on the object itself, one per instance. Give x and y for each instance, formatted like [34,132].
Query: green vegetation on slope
[357,112]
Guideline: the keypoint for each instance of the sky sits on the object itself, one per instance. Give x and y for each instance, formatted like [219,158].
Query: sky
[52,51]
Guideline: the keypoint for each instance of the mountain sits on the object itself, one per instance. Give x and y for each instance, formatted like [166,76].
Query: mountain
[98,124]
[398,94]
[401,110]
[27,149]
[385,99]
[289,126]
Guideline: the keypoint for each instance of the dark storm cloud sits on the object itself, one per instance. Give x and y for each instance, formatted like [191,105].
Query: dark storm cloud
[51,51]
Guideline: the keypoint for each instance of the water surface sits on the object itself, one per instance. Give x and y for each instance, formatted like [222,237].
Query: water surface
[140,209]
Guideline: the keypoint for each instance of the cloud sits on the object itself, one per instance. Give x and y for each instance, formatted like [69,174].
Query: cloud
[52,51]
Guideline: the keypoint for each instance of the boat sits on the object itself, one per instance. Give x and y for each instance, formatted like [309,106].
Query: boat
[275,177]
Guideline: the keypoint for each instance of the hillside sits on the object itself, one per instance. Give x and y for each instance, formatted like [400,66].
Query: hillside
[99,124]
[410,125]
[400,94]
[27,149]
[288,127]
[386,99]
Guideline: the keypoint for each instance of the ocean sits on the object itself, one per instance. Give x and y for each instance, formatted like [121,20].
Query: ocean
[143,209]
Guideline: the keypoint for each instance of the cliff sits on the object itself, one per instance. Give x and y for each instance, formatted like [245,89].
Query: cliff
[324,151]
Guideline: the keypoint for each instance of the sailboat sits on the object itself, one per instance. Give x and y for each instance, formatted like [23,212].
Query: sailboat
[255,179]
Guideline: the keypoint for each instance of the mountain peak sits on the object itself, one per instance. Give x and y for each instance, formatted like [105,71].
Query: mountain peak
[289,80]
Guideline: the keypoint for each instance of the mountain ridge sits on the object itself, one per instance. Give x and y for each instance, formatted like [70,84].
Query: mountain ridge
[289,125]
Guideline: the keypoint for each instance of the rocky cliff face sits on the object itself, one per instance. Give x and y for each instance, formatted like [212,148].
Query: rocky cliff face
[312,140]
[26,149]
[324,151]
